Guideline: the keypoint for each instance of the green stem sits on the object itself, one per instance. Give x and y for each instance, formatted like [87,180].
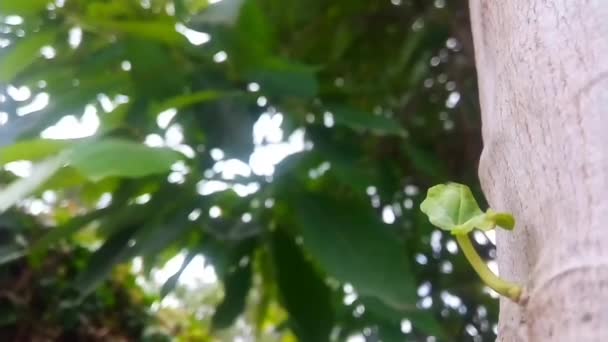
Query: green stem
[503,287]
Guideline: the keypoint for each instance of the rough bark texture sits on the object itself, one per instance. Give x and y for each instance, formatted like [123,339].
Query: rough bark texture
[543,79]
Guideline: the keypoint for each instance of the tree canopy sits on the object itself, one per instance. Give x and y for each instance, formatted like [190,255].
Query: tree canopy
[290,143]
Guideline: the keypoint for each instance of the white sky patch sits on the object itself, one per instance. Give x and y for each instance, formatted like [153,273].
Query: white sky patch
[388,216]
[194,37]
[48,52]
[3,118]
[108,104]
[220,57]
[20,168]
[164,118]
[262,101]
[268,129]
[215,211]
[13,20]
[356,338]
[125,65]
[265,157]
[231,168]
[154,140]
[244,190]
[253,87]
[75,37]
[208,187]
[452,99]
[328,119]
[39,102]
[69,127]
[19,94]
[197,271]
[174,135]
[216,154]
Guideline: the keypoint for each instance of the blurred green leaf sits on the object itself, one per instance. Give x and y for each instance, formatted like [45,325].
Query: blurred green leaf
[182,101]
[115,157]
[280,77]
[24,53]
[236,287]
[32,150]
[157,30]
[23,8]
[352,245]
[364,121]
[303,291]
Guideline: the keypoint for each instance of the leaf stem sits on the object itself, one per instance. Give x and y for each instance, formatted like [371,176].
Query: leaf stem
[503,287]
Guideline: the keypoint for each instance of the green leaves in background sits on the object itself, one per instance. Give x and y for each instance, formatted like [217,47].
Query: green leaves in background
[302,289]
[134,59]
[23,53]
[236,287]
[351,244]
[284,78]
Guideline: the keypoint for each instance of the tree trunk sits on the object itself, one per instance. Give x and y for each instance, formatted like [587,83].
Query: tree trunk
[543,80]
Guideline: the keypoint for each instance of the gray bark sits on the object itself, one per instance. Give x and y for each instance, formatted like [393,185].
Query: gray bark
[543,80]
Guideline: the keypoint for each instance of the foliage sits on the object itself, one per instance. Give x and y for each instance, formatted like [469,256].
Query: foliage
[287,142]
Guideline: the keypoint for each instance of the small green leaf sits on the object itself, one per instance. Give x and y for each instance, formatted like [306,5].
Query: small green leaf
[364,121]
[24,53]
[452,207]
[122,158]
